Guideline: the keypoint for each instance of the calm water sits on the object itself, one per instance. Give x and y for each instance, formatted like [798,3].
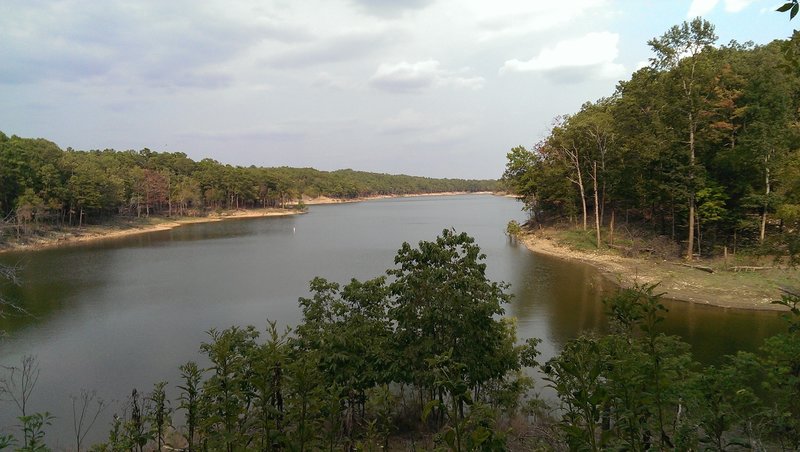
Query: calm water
[125,313]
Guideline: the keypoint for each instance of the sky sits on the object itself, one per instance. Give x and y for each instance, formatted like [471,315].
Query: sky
[438,88]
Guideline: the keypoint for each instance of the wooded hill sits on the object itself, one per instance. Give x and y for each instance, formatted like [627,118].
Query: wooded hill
[702,146]
[39,182]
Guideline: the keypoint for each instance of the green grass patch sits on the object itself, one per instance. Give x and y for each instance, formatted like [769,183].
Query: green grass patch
[577,239]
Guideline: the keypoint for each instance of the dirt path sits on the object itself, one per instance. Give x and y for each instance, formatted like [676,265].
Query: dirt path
[740,290]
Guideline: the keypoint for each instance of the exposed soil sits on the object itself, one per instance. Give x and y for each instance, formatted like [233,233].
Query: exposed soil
[723,288]
[48,238]
[125,227]
[328,200]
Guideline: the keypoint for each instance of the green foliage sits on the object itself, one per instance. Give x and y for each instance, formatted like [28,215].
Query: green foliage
[792,7]
[42,185]
[332,383]
[343,378]
[513,229]
[227,393]
[443,301]
[706,130]
[189,399]
[637,389]
[33,432]
[160,414]
[6,441]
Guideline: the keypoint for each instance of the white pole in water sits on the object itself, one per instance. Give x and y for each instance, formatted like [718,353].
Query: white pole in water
[294,229]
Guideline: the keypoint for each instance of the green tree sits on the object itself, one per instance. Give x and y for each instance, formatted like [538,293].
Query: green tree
[444,301]
[228,393]
[160,413]
[189,400]
[678,51]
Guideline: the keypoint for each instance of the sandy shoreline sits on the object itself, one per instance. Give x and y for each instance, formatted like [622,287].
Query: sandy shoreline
[103,232]
[720,289]
[327,200]
[113,231]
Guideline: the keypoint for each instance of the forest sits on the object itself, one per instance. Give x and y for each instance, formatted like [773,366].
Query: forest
[701,146]
[43,184]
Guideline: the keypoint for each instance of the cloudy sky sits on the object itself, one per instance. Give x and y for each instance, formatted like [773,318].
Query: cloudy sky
[440,88]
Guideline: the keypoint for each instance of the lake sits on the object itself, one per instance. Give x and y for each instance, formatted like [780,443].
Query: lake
[123,313]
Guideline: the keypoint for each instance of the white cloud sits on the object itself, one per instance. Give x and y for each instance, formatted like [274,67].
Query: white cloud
[418,128]
[386,8]
[407,120]
[333,81]
[413,77]
[734,6]
[641,64]
[703,7]
[589,56]
[515,19]
[331,49]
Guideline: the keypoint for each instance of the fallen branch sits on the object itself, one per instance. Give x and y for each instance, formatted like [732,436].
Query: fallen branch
[696,267]
[792,291]
[748,268]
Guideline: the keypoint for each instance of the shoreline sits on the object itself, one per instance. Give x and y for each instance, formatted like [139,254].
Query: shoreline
[323,200]
[131,227]
[93,233]
[726,290]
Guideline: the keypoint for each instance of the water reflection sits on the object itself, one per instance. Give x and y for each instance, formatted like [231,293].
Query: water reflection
[125,313]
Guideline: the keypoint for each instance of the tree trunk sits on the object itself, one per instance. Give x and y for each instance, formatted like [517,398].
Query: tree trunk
[699,236]
[611,226]
[763,232]
[690,239]
[596,205]
[169,195]
[583,196]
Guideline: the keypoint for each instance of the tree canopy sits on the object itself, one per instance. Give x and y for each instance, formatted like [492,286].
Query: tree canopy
[40,183]
[703,146]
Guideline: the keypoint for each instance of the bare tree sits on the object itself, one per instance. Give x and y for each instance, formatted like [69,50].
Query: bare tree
[11,274]
[596,203]
[83,416]
[18,383]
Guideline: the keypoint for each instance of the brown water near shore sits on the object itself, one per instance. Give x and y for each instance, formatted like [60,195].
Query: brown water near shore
[739,290]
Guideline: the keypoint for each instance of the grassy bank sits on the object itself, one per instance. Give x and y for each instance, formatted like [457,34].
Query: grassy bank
[738,281]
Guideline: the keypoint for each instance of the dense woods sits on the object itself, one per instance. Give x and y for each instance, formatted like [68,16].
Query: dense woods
[702,146]
[40,183]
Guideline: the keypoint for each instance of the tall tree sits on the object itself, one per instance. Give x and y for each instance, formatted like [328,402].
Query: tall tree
[678,51]
[444,303]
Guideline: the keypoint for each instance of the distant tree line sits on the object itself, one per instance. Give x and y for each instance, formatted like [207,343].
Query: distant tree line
[40,183]
[703,146]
